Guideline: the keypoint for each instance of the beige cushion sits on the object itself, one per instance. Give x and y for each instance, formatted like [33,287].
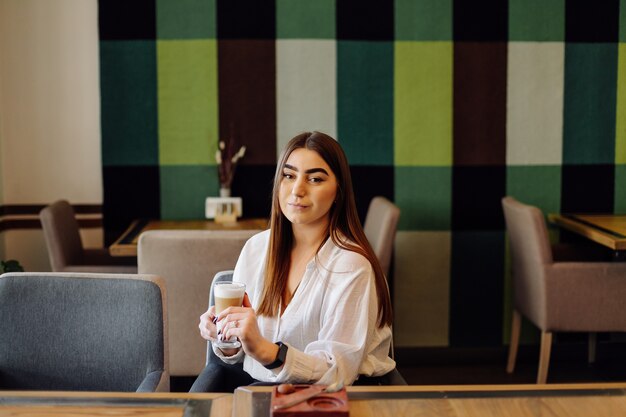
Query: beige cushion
[380,228]
[187,260]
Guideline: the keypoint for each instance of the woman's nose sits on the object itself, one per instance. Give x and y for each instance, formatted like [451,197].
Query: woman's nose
[298,188]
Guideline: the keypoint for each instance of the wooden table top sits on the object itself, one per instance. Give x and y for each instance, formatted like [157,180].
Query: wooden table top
[126,245]
[606,229]
[104,404]
[554,400]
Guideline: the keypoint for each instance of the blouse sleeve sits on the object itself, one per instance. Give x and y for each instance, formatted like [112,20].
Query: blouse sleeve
[348,319]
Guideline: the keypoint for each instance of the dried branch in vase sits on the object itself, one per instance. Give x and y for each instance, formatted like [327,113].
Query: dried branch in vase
[227,160]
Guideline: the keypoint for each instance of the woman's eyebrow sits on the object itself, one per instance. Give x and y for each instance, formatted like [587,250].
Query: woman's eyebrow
[308,171]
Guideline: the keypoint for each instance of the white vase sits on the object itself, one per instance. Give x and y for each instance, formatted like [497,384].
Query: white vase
[224,192]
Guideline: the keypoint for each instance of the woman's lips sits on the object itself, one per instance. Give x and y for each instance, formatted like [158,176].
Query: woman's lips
[297,206]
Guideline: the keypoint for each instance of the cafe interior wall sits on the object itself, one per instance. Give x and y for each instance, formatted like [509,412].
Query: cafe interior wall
[50,137]
[442,106]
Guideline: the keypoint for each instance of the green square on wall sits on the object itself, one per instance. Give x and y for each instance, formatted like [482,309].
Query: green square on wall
[537,20]
[423,103]
[184,190]
[423,20]
[186,19]
[305,19]
[537,185]
[589,101]
[424,195]
[128,103]
[365,101]
[188,114]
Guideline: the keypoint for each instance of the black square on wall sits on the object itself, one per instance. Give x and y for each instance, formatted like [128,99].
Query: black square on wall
[476,197]
[369,182]
[120,19]
[246,19]
[587,188]
[130,193]
[482,20]
[254,183]
[591,20]
[371,20]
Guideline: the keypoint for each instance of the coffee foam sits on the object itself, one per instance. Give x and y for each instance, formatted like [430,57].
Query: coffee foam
[228,290]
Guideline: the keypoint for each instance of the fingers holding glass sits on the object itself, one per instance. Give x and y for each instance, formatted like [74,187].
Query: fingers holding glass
[227,294]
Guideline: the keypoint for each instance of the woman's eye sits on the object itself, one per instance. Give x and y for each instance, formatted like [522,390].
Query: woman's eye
[316,180]
[287,175]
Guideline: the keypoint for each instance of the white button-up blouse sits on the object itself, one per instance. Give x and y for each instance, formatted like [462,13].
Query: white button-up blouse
[330,325]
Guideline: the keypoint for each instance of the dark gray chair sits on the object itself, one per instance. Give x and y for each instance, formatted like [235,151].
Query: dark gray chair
[574,295]
[65,248]
[83,332]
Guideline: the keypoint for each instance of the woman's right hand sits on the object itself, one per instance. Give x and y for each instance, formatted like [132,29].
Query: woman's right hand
[208,330]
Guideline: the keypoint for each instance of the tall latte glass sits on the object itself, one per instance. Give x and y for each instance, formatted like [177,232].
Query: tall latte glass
[227,294]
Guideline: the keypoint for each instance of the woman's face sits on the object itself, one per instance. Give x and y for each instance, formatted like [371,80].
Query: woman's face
[307,189]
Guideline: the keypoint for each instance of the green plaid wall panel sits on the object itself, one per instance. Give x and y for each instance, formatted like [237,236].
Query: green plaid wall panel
[622,21]
[246,19]
[305,19]
[587,188]
[424,195]
[536,20]
[534,125]
[620,189]
[591,21]
[187,93]
[128,102]
[422,309]
[537,185]
[480,21]
[306,95]
[365,101]
[364,20]
[423,103]
[247,96]
[476,288]
[474,206]
[124,20]
[620,107]
[589,103]
[425,20]
[186,19]
[443,106]
[479,123]
[180,187]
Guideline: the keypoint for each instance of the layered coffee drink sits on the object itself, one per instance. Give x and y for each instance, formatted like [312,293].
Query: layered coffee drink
[227,294]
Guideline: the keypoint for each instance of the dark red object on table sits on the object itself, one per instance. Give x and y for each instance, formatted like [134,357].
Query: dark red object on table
[325,404]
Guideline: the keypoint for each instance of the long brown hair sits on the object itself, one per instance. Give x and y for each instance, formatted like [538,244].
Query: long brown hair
[345,229]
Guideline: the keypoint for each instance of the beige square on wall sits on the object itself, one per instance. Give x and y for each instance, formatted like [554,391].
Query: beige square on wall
[421,288]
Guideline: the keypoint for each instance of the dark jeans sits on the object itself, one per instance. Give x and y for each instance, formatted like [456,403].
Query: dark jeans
[220,377]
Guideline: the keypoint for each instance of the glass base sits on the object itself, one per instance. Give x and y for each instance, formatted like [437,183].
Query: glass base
[225,344]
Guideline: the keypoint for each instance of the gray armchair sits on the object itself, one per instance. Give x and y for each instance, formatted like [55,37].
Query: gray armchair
[568,296]
[83,332]
[187,260]
[65,248]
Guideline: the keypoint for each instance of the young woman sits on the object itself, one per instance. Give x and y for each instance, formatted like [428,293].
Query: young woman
[317,308]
